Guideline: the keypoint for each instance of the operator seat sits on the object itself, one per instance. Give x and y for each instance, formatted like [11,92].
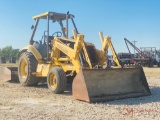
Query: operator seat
[42,48]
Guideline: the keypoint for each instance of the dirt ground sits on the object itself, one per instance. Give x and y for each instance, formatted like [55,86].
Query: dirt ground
[39,103]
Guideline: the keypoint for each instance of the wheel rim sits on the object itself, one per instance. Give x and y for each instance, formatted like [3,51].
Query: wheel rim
[23,69]
[53,80]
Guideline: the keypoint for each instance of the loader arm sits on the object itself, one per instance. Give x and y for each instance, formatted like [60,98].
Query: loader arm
[106,43]
[84,48]
[73,54]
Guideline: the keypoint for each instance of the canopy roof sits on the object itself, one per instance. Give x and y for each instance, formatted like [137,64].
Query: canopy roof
[53,16]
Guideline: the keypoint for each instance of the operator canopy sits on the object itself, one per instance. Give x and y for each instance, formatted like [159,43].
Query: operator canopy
[53,16]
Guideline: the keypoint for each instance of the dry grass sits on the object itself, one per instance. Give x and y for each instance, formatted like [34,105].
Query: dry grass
[152,72]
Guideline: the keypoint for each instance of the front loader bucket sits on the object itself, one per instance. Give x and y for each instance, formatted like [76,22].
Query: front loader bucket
[95,85]
[9,73]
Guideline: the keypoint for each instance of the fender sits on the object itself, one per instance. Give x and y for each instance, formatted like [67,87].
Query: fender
[33,50]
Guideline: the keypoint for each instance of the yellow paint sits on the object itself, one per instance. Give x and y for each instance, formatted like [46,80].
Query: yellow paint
[72,61]
[40,15]
[106,42]
[74,34]
[33,50]
[71,53]
[23,68]
[53,80]
[43,69]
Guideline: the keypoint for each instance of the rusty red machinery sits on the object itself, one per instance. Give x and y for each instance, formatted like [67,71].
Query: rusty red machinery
[143,57]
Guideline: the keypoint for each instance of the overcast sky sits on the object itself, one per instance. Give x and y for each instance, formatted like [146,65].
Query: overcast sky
[137,20]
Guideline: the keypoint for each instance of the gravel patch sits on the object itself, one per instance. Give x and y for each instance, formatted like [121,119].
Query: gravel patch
[39,103]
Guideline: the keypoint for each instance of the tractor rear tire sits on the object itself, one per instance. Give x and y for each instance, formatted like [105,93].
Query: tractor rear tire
[56,80]
[26,66]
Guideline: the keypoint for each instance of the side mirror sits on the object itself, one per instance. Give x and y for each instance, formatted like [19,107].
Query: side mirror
[32,27]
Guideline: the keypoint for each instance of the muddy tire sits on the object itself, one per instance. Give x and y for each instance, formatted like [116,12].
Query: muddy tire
[26,66]
[56,80]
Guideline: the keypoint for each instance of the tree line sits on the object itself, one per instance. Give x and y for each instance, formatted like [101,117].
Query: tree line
[9,51]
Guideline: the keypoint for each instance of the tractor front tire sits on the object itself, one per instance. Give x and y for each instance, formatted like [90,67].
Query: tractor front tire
[56,80]
[26,67]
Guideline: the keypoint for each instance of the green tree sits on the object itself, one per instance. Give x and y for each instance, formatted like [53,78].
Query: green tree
[8,51]
[16,53]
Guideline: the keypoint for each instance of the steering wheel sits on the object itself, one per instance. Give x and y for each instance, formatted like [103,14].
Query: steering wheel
[59,34]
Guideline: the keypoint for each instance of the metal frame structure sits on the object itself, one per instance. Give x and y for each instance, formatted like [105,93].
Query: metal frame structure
[145,58]
[134,47]
[151,53]
[55,17]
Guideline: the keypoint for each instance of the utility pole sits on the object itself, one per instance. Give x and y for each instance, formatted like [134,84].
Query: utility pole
[134,42]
